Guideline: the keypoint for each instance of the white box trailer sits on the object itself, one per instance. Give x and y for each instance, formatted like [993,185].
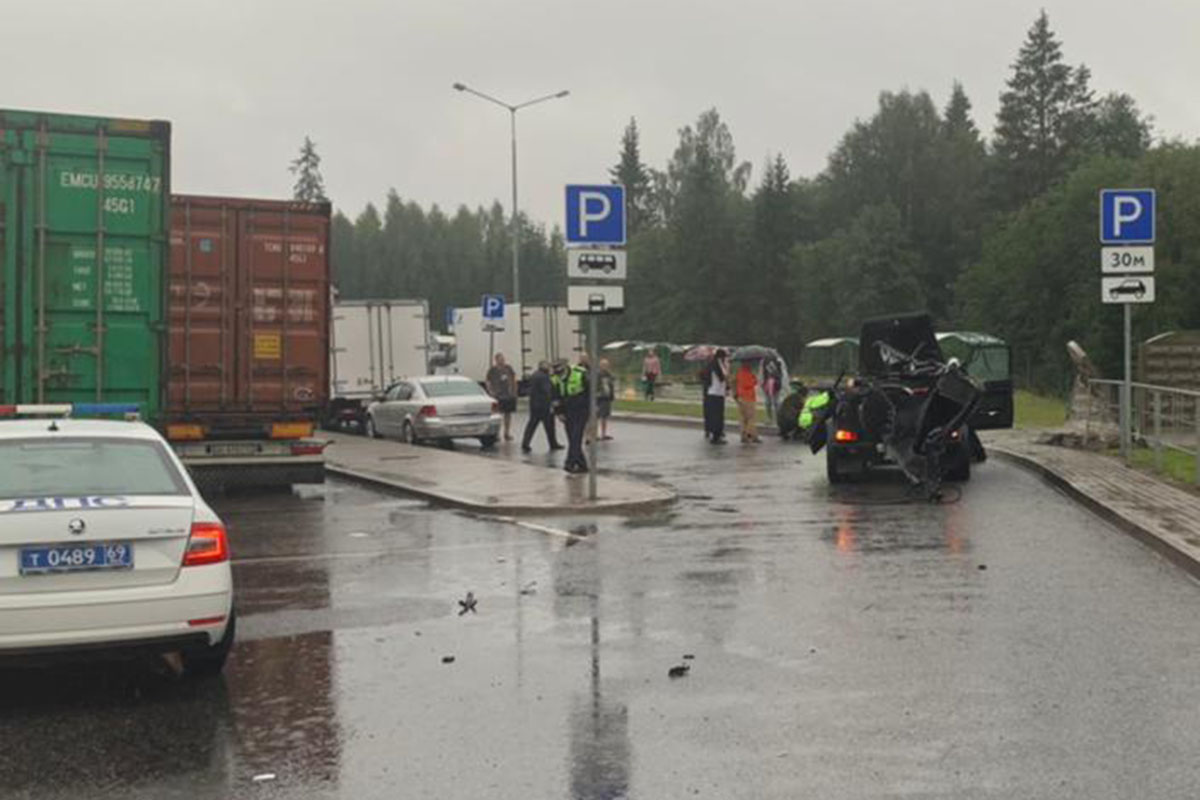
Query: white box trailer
[545,333]
[372,344]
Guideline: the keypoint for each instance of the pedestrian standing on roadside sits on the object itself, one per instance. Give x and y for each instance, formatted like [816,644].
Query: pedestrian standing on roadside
[651,370]
[714,379]
[772,384]
[575,406]
[541,408]
[606,391]
[747,400]
[502,385]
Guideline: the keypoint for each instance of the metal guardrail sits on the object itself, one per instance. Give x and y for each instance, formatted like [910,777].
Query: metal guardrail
[1163,418]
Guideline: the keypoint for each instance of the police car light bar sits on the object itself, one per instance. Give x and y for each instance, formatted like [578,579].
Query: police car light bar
[127,410]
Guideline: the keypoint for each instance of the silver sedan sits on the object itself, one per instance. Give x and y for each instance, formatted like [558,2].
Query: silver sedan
[436,407]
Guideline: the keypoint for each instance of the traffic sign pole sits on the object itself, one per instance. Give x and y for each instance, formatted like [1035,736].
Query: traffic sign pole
[1127,387]
[595,219]
[594,424]
[1127,220]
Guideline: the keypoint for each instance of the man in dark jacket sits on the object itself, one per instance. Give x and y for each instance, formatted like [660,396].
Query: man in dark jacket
[541,408]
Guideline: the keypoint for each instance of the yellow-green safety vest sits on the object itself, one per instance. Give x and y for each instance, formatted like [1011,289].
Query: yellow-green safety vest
[575,381]
[811,405]
[572,385]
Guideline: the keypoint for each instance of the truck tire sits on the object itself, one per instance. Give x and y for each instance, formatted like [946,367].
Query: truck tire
[487,442]
[959,470]
[833,470]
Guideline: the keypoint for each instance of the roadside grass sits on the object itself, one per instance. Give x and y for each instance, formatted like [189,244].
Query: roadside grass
[1178,466]
[1029,410]
[1038,411]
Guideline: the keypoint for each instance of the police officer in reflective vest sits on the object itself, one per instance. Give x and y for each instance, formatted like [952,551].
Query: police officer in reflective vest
[571,384]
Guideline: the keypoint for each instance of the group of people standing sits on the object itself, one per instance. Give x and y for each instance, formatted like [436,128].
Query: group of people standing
[557,391]
[742,385]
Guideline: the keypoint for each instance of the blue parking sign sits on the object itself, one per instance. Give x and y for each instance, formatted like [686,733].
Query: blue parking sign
[1127,216]
[493,306]
[595,214]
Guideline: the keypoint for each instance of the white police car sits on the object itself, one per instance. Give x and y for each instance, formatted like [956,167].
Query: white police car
[105,543]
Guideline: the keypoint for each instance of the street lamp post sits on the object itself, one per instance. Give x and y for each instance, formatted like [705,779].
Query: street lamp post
[516,231]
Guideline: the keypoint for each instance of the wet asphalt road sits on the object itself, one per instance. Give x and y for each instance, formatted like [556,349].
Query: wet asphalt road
[846,645]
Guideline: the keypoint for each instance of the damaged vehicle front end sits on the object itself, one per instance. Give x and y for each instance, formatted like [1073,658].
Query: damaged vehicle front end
[908,405]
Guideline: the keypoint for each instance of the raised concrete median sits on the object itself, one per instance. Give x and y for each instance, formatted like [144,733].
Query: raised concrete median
[489,485]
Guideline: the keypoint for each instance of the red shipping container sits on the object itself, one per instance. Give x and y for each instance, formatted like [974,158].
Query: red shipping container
[248,312]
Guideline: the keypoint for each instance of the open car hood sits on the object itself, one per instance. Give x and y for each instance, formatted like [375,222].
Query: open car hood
[911,334]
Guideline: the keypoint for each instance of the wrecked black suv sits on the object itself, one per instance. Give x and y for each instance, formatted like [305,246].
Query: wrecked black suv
[911,406]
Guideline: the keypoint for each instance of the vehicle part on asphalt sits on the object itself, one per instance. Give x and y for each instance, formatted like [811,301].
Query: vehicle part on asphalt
[678,671]
[467,604]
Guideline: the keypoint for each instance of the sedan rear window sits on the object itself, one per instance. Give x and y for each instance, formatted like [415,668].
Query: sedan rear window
[76,467]
[452,389]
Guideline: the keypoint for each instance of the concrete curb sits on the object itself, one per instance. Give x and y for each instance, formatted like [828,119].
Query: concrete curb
[1107,513]
[667,497]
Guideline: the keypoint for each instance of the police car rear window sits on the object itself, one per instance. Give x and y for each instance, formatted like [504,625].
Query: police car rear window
[78,466]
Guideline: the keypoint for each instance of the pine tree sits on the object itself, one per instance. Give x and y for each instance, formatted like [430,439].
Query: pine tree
[957,120]
[310,186]
[1121,130]
[1045,119]
[631,173]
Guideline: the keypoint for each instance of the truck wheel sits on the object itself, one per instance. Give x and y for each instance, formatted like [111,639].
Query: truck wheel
[487,442]
[370,428]
[959,470]
[208,662]
[832,469]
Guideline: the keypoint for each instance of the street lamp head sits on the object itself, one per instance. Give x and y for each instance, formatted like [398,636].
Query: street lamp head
[460,87]
[563,93]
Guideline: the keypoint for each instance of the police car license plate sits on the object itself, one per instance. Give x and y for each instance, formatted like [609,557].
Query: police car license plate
[76,558]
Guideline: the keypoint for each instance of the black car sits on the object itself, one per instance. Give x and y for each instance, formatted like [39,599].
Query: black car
[911,406]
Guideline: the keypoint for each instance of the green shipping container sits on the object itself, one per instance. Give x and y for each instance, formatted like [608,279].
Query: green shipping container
[84,216]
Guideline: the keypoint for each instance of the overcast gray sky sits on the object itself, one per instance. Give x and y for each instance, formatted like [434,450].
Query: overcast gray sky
[244,80]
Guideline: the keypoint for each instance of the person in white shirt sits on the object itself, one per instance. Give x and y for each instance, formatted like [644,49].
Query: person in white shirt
[715,380]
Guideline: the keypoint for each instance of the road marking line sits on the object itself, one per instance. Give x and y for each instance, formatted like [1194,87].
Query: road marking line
[533,526]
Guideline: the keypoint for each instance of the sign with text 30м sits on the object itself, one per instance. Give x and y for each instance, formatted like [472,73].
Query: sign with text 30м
[595,214]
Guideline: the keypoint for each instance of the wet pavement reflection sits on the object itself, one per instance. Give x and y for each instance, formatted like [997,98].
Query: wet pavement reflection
[825,643]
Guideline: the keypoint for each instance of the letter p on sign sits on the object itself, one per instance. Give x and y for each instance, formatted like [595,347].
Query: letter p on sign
[1127,216]
[593,207]
[595,215]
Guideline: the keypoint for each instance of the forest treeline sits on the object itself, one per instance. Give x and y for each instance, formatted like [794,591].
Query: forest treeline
[916,209]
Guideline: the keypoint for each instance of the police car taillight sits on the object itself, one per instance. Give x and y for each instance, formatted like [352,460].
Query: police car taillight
[208,544]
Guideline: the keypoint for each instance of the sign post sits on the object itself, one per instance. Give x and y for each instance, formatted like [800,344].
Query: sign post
[492,310]
[595,271]
[1127,221]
